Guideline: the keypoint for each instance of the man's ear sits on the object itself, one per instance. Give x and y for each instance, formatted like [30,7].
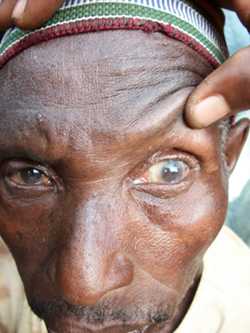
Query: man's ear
[236,139]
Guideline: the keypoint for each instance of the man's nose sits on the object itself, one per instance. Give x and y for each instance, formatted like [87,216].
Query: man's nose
[91,262]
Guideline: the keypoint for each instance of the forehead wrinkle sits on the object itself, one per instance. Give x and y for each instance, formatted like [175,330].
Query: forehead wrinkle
[139,62]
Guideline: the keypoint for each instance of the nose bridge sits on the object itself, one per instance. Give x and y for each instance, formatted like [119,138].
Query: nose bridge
[91,262]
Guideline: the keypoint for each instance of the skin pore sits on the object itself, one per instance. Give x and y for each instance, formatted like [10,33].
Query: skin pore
[108,201]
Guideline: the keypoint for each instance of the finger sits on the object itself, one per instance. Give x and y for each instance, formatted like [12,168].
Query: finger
[241,7]
[30,14]
[6,9]
[226,91]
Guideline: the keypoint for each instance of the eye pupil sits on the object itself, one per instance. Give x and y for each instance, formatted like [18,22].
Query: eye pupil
[31,176]
[171,169]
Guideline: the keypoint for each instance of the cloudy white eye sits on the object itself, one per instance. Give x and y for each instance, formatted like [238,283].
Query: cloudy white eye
[168,172]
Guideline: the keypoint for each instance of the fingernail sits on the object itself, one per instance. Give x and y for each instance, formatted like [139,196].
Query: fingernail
[210,110]
[1,2]
[19,9]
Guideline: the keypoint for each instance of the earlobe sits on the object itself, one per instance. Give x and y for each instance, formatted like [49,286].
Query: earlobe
[235,142]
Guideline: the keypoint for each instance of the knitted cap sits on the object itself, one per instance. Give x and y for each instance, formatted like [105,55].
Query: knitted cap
[178,19]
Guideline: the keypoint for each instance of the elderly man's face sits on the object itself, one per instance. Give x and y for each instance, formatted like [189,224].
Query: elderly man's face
[107,200]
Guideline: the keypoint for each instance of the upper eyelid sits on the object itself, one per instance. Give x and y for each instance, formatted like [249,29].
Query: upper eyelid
[183,156]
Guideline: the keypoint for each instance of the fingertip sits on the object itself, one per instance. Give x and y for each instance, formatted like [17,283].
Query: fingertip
[204,113]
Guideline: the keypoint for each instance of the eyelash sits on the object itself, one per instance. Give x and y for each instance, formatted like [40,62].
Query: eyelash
[185,157]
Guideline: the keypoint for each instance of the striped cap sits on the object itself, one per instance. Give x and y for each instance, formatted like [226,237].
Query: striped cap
[178,19]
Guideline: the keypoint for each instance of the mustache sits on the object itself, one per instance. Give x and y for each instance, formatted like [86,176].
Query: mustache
[101,314]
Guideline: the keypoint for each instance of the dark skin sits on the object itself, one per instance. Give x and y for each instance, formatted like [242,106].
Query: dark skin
[99,176]
[227,88]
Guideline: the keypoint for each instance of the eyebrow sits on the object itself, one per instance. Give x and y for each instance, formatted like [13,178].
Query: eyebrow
[24,128]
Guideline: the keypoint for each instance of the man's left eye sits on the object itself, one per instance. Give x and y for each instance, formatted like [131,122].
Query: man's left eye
[168,172]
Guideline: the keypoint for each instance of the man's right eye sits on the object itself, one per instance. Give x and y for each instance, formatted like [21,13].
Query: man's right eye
[30,177]
[27,175]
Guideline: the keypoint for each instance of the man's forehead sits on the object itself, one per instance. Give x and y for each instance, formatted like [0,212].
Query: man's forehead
[121,81]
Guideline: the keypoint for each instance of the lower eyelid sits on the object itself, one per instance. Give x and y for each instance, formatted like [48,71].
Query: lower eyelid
[19,186]
[161,191]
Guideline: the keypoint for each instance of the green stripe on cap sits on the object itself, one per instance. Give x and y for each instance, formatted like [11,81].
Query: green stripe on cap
[174,14]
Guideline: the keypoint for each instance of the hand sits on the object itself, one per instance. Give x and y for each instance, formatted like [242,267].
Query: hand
[26,14]
[227,90]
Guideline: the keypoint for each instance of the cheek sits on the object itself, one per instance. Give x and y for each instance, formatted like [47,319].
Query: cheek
[177,231]
[200,213]
[27,229]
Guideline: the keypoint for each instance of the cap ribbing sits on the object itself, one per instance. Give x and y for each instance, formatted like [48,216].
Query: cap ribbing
[178,19]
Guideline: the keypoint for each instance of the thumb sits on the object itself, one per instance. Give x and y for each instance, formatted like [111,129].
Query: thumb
[224,92]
